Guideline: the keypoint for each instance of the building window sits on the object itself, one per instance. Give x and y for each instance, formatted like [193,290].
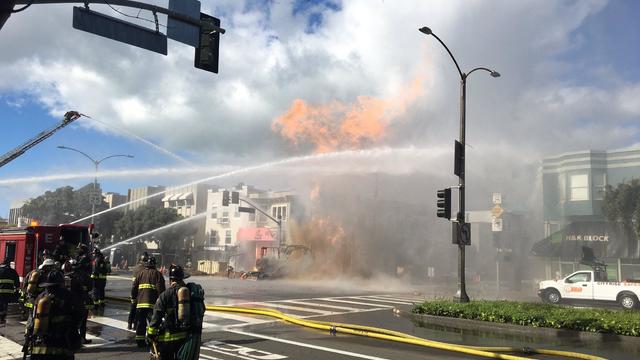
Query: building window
[227,237]
[579,187]
[212,240]
[279,212]
[599,186]
[214,212]
[252,216]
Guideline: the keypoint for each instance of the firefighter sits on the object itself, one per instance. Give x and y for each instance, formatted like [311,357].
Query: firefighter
[31,285]
[9,284]
[132,309]
[76,285]
[148,284]
[53,335]
[176,324]
[99,276]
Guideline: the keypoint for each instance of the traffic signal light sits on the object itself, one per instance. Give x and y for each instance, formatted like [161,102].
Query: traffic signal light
[207,52]
[225,198]
[444,203]
[235,197]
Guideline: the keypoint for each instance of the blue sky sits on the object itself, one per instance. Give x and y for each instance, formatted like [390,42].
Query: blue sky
[318,51]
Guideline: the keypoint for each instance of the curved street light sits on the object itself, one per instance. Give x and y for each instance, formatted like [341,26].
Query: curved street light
[461,296]
[96,164]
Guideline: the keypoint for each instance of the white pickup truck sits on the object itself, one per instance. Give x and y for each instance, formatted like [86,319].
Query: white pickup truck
[584,286]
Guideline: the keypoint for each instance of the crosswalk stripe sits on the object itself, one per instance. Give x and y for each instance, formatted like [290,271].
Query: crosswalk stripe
[119,324]
[244,319]
[309,303]
[356,302]
[10,349]
[384,301]
[397,298]
[296,308]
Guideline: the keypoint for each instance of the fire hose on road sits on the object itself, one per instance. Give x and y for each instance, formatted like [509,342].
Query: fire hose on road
[493,352]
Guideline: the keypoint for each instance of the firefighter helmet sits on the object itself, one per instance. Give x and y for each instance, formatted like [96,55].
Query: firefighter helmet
[151,262]
[47,262]
[82,249]
[144,257]
[96,251]
[54,278]
[176,272]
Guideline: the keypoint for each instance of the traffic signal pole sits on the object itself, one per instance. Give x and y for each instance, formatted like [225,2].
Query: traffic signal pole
[461,295]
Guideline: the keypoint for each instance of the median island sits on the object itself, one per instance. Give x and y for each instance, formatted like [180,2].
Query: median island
[620,322]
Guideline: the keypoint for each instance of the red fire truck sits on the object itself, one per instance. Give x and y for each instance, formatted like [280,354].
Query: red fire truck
[21,244]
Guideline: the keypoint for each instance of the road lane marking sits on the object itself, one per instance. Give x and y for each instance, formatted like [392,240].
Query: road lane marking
[357,303]
[384,301]
[297,308]
[309,303]
[243,352]
[310,346]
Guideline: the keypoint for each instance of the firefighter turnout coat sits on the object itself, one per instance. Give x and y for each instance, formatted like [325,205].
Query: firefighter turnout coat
[55,329]
[9,283]
[147,285]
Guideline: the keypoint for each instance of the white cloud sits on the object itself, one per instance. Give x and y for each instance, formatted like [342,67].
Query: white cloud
[365,48]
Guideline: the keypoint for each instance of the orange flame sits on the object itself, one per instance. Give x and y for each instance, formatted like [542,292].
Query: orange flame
[337,125]
[315,192]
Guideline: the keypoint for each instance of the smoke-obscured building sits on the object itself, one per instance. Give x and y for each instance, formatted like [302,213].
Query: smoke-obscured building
[574,186]
[141,193]
[15,212]
[240,237]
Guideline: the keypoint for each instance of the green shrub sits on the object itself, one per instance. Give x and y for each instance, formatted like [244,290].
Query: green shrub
[621,322]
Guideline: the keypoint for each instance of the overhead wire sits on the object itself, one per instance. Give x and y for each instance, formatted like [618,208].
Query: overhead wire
[136,16]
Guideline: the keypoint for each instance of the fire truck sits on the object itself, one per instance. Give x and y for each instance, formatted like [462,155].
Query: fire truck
[24,245]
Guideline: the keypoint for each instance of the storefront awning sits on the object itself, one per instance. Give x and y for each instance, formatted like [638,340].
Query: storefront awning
[256,234]
[186,196]
[603,238]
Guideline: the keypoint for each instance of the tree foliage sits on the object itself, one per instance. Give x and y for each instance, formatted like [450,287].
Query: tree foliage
[621,205]
[64,205]
[147,218]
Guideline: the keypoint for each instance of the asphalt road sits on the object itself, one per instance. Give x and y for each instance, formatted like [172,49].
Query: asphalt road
[240,336]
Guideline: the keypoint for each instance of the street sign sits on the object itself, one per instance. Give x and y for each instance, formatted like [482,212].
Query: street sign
[497,198]
[461,233]
[246,209]
[180,31]
[119,30]
[458,159]
[496,224]
[496,211]
[95,198]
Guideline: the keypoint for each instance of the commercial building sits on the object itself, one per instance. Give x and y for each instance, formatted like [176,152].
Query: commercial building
[241,237]
[574,186]
[189,201]
[114,199]
[15,212]
[141,193]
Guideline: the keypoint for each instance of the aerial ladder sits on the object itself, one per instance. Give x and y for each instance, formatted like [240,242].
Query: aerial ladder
[69,117]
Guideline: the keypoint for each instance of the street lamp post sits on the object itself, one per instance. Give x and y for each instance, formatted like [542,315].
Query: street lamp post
[96,164]
[461,296]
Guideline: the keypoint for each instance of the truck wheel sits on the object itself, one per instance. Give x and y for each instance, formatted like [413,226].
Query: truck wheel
[628,301]
[552,296]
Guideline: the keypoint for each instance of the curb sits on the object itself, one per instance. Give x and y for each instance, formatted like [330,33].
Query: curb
[521,330]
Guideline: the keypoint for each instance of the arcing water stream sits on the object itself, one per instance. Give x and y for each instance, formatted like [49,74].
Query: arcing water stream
[153,145]
[182,221]
[355,160]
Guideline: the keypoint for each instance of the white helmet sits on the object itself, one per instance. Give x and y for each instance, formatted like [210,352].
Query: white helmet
[47,262]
